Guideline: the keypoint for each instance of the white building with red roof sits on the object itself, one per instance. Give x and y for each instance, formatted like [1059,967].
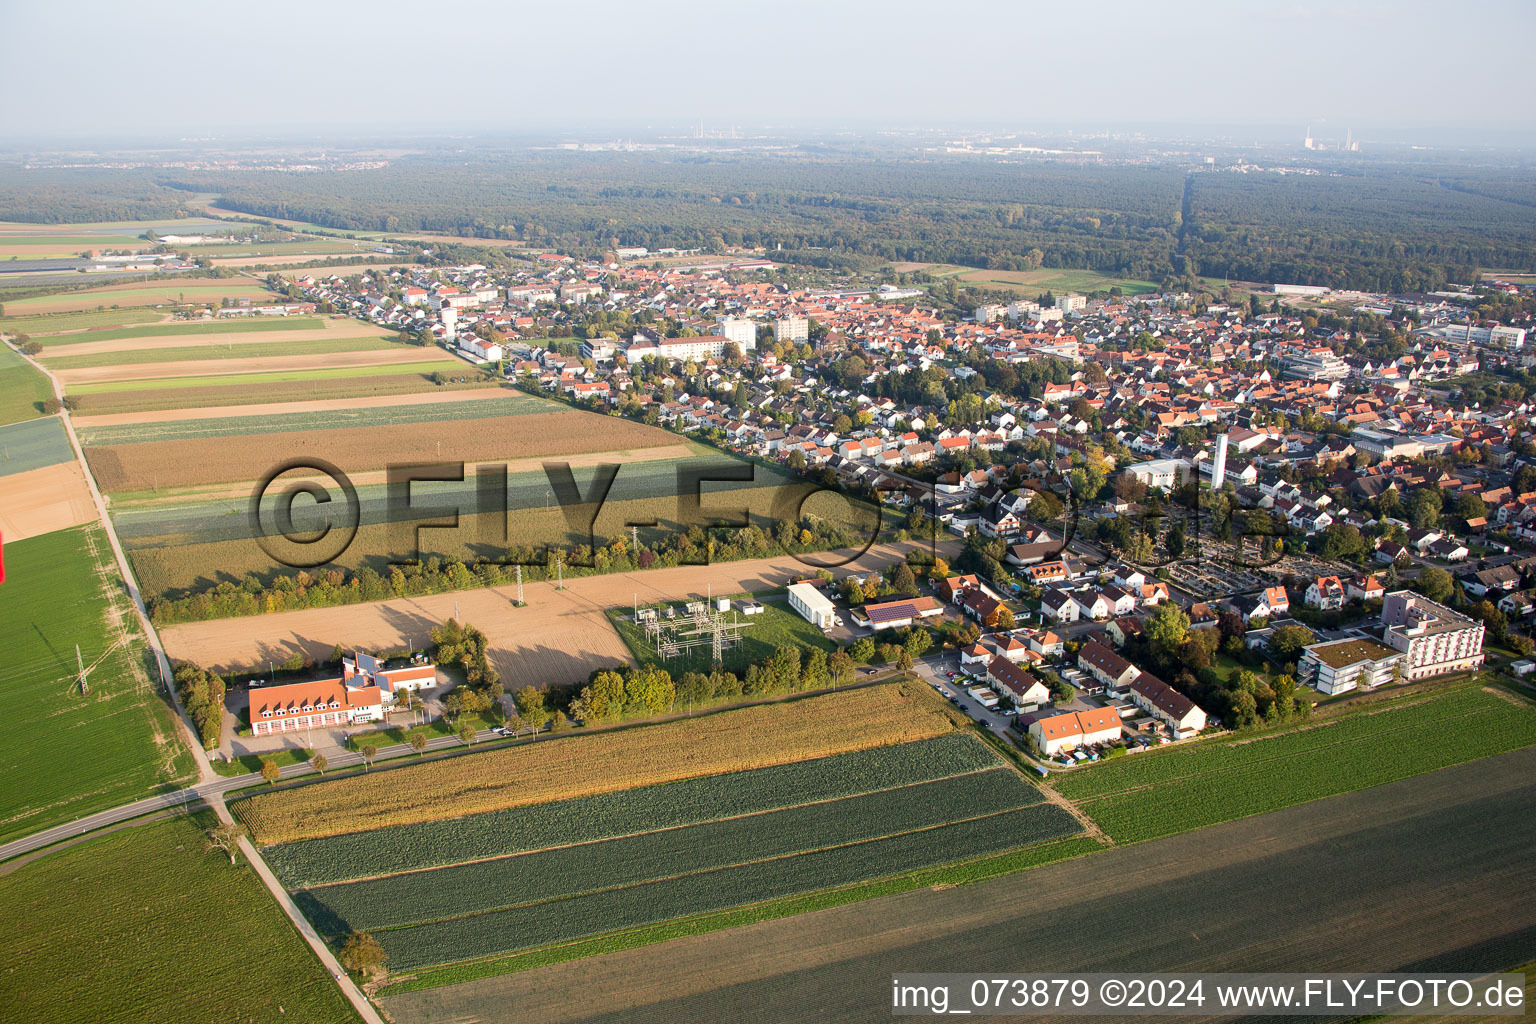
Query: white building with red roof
[364,693]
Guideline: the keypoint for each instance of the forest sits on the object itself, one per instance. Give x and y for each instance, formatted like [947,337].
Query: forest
[1370,225]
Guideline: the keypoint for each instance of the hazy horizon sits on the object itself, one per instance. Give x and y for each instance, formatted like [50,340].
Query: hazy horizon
[1406,73]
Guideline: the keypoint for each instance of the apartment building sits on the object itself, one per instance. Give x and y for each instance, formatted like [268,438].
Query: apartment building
[1434,639]
[1342,665]
[1314,364]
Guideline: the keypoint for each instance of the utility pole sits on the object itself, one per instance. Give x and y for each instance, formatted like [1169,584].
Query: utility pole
[560,572]
[84,686]
[456,610]
[519,583]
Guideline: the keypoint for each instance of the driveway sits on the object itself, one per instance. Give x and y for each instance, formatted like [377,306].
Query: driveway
[934,670]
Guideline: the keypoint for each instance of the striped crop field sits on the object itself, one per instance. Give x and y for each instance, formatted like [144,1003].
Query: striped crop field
[235,390]
[429,363]
[248,350]
[99,318]
[601,762]
[244,325]
[512,404]
[500,834]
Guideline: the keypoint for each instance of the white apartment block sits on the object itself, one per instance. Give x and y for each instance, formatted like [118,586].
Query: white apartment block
[742,331]
[1071,302]
[1434,639]
[1343,665]
[791,328]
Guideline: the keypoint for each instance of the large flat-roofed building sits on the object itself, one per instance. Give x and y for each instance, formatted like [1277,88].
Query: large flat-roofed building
[1319,363]
[1343,665]
[740,330]
[1164,473]
[812,605]
[1434,639]
[791,328]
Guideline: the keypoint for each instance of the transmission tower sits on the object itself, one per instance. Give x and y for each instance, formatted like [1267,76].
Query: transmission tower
[560,573]
[519,583]
[79,660]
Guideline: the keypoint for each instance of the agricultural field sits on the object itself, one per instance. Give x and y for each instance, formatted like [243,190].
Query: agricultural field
[71,754]
[143,926]
[1163,792]
[602,762]
[776,625]
[181,291]
[509,403]
[237,389]
[175,329]
[172,464]
[23,390]
[244,350]
[34,444]
[100,318]
[178,541]
[188,372]
[504,833]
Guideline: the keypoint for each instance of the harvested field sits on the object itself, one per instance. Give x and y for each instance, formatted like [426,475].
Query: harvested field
[561,636]
[338,405]
[43,500]
[381,382]
[1425,874]
[187,371]
[191,291]
[139,467]
[602,762]
[33,445]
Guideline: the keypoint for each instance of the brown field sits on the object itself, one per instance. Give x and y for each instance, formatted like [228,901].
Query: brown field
[169,464]
[602,762]
[43,500]
[275,408]
[348,328]
[216,398]
[560,637]
[1423,875]
[258,364]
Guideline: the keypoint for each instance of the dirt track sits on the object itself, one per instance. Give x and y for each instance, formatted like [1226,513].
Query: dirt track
[259,364]
[1427,874]
[561,636]
[40,501]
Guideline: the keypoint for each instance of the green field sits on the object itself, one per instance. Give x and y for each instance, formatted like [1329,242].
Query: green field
[1029,283]
[206,353]
[1158,793]
[71,755]
[23,389]
[512,404]
[192,291]
[230,325]
[444,364]
[506,881]
[77,321]
[75,243]
[33,444]
[142,926]
[772,628]
[431,844]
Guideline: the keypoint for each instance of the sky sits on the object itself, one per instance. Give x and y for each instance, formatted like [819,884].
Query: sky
[92,71]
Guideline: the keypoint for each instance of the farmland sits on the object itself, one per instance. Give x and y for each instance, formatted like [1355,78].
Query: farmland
[138,467]
[433,844]
[100,318]
[190,370]
[244,350]
[429,362]
[71,754]
[175,329]
[39,501]
[181,291]
[22,388]
[204,392]
[140,926]
[1426,874]
[602,762]
[507,404]
[1164,792]
[570,868]
[1030,283]
[33,445]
